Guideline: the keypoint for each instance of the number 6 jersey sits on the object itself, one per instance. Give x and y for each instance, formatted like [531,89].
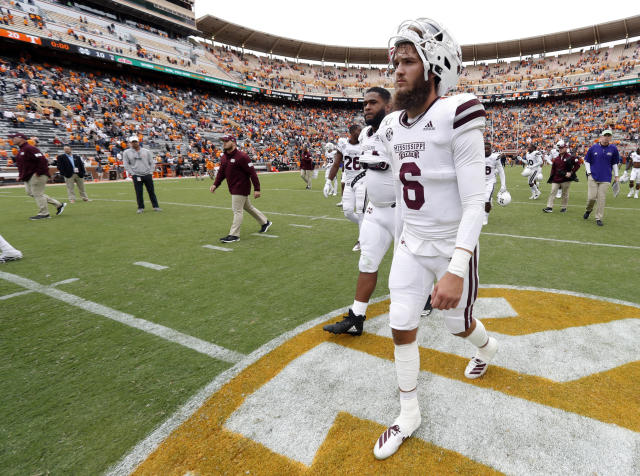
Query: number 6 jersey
[438,166]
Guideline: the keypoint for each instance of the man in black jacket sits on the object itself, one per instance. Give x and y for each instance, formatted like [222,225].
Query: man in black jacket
[71,167]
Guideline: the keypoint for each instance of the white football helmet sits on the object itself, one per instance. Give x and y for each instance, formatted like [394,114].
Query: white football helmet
[438,50]
[329,147]
[504,198]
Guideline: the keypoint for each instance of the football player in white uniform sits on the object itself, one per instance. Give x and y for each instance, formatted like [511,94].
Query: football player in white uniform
[378,225]
[635,173]
[354,196]
[330,154]
[533,170]
[492,166]
[437,152]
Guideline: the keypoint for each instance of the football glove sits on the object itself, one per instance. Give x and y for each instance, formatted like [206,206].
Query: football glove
[328,189]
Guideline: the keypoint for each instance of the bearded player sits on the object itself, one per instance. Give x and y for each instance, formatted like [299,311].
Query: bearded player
[437,151]
[354,196]
[378,224]
[492,166]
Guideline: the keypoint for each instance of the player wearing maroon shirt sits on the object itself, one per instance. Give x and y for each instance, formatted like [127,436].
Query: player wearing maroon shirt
[237,168]
[33,170]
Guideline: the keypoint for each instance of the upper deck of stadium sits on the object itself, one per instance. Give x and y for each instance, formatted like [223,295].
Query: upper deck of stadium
[255,61]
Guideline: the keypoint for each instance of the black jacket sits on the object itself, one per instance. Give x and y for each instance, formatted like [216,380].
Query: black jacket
[65,167]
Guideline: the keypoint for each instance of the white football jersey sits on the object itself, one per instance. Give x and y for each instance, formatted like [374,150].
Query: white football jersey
[534,159]
[350,160]
[492,165]
[330,158]
[635,158]
[379,181]
[431,157]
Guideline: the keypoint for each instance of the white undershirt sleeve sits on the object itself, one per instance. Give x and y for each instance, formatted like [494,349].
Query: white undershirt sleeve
[503,180]
[468,156]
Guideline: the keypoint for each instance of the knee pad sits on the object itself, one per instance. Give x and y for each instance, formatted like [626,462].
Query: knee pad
[402,316]
[367,264]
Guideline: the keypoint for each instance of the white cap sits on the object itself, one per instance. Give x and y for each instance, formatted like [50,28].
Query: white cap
[134,139]
[560,144]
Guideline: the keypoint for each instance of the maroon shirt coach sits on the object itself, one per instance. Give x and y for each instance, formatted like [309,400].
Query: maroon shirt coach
[237,168]
[33,170]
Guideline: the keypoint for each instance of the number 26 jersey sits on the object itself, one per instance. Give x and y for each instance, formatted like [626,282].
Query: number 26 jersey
[350,160]
[437,161]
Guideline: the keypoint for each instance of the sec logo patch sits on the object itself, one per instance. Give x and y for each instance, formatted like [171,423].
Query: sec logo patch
[560,397]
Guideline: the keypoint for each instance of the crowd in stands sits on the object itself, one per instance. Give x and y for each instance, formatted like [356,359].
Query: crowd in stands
[97,112]
[135,39]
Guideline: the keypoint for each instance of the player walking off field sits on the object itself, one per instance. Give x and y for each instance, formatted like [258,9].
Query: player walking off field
[437,151]
[378,225]
[601,161]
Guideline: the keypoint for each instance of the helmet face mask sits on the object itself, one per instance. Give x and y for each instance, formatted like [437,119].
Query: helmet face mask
[438,50]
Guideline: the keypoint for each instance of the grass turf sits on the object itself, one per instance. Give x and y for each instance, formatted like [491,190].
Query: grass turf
[79,390]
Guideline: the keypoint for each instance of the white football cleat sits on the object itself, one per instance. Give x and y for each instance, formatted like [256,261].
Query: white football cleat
[393,437]
[477,366]
[630,193]
[533,196]
[339,204]
[537,195]
[10,256]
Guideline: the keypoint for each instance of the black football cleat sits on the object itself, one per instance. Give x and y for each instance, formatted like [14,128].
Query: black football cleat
[350,324]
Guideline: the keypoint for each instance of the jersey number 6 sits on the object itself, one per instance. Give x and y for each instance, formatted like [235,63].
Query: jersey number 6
[415,202]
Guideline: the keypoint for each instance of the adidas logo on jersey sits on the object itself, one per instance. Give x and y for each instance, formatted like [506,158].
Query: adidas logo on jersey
[429,127]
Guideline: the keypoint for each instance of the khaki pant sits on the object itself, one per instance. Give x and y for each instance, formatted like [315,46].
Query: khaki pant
[238,204]
[306,176]
[564,186]
[596,193]
[74,179]
[35,188]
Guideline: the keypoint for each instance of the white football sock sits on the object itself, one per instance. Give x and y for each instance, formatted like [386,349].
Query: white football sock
[479,336]
[407,360]
[359,308]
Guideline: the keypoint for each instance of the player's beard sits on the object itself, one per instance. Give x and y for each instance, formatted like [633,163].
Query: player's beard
[417,95]
[375,121]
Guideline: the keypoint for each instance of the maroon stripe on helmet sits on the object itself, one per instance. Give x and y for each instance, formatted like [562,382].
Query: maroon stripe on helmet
[468,118]
[464,106]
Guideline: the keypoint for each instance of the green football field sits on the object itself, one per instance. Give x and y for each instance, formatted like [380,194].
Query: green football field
[97,351]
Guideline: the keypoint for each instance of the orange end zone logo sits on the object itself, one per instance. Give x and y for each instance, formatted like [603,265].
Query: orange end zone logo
[560,397]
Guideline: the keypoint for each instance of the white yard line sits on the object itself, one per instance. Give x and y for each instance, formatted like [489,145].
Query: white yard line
[195,205]
[588,243]
[22,293]
[157,267]
[19,293]
[300,226]
[265,235]
[158,330]
[219,248]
